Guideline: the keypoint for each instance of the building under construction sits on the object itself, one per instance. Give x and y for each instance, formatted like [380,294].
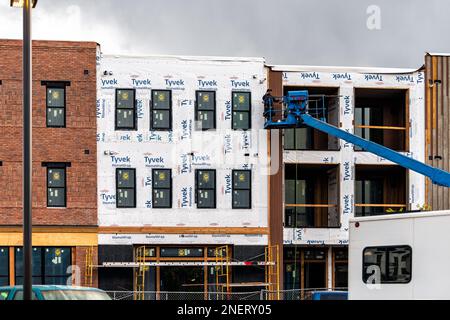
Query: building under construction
[193,195]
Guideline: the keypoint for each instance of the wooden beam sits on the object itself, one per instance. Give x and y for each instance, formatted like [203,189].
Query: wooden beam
[312,205]
[384,205]
[12,270]
[184,230]
[50,239]
[381,127]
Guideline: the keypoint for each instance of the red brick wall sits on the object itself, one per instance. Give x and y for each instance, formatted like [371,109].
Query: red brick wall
[52,61]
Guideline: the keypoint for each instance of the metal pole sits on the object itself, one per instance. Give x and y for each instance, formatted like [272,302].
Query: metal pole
[27,162]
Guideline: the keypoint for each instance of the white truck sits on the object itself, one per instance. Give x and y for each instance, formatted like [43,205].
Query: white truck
[400,256]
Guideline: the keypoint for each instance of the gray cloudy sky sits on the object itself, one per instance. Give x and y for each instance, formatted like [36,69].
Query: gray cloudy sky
[314,32]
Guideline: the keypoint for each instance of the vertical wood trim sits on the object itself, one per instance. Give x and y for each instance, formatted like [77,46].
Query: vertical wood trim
[407,120]
[445,128]
[333,266]
[302,272]
[439,129]
[158,274]
[275,190]
[433,128]
[74,260]
[428,200]
[12,270]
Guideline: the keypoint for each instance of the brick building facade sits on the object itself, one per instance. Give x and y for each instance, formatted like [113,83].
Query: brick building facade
[64,159]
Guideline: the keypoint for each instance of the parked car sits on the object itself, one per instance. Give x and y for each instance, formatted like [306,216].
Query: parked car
[329,295]
[54,292]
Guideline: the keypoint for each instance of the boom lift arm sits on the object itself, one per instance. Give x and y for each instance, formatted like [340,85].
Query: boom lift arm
[298,114]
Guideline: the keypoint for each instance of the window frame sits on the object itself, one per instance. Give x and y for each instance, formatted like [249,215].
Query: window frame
[249,112]
[367,211]
[116,127]
[309,138]
[117,189]
[55,85]
[196,118]
[244,189]
[7,276]
[387,262]
[43,275]
[197,189]
[170,188]
[63,167]
[152,108]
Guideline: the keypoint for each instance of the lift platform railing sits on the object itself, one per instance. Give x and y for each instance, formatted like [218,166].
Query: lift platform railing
[298,115]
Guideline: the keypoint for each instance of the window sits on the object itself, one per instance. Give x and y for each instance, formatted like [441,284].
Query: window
[242,184]
[126,188]
[162,188]
[50,265]
[126,109]
[241,115]
[56,105]
[298,139]
[4,267]
[56,186]
[161,110]
[205,188]
[389,264]
[298,192]
[368,192]
[205,109]
[364,118]
[340,268]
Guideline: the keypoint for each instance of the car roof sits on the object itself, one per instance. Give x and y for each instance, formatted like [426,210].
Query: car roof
[51,287]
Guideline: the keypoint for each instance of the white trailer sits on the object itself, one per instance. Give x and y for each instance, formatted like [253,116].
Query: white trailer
[400,256]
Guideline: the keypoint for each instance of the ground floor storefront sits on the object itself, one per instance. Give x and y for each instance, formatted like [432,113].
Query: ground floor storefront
[188,273]
[59,256]
[309,267]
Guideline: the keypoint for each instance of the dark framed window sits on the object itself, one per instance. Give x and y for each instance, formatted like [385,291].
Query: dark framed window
[388,264]
[173,252]
[368,191]
[56,105]
[241,110]
[242,189]
[368,116]
[50,265]
[126,109]
[340,267]
[205,186]
[298,139]
[161,110]
[205,109]
[4,267]
[162,188]
[298,191]
[126,188]
[56,186]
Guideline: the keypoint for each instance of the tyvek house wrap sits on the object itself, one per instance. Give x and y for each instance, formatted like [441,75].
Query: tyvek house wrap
[183,149]
[347,80]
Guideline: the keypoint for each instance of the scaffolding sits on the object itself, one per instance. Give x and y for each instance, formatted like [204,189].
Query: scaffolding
[222,264]
[272,253]
[139,277]
[223,260]
[89,267]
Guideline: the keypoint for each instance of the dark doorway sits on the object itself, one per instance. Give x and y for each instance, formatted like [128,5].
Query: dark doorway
[182,279]
[315,275]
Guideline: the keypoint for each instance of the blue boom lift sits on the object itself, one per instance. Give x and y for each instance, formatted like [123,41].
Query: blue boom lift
[309,110]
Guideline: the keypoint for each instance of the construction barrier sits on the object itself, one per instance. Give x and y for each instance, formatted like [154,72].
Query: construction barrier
[294,294]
